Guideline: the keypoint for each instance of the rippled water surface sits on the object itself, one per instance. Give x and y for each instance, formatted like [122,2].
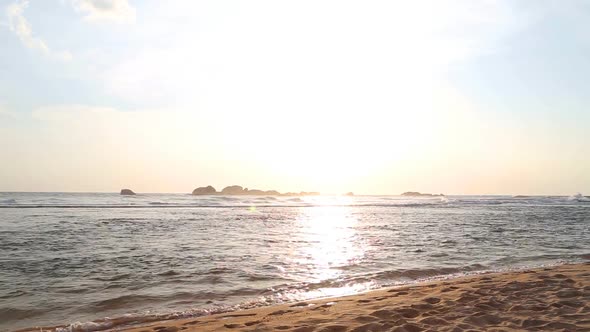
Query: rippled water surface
[67,258]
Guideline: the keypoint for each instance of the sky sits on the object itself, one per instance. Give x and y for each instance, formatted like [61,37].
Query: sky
[373,97]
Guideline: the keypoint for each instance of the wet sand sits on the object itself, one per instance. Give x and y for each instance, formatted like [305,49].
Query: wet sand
[546,299]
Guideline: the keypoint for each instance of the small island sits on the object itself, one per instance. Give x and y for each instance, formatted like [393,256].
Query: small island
[239,190]
[209,190]
[127,192]
[418,194]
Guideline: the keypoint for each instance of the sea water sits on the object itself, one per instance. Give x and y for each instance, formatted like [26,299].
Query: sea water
[91,261]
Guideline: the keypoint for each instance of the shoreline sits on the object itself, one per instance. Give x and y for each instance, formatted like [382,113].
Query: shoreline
[546,298]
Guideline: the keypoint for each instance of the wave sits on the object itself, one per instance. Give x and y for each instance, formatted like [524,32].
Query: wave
[13,294]
[159,205]
[166,201]
[15,314]
[285,293]
[394,277]
[579,198]
[114,278]
[169,273]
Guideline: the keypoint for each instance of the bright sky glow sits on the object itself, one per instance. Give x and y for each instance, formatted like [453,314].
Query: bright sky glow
[374,97]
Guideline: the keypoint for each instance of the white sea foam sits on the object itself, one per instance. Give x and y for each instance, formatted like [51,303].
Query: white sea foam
[157,201]
[578,197]
[86,326]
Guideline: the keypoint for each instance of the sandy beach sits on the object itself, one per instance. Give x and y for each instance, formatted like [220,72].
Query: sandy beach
[545,299]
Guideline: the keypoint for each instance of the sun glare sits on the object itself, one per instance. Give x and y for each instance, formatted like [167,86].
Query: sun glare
[330,230]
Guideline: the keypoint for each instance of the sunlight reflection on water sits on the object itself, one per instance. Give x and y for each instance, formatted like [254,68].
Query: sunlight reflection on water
[328,243]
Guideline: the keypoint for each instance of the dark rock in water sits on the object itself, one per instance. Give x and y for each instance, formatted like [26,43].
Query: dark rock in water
[418,194]
[209,190]
[233,190]
[127,192]
[254,192]
[239,190]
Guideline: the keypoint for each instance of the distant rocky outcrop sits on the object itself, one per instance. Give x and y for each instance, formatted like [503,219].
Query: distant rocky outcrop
[418,194]
[261,192]
[350,193]
[239,190]
[209,190]
[233,190]
[127,192]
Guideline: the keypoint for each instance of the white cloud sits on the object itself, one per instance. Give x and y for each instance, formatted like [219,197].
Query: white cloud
[105,10]
[18,24]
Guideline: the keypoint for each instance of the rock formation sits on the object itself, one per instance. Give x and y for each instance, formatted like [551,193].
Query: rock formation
[233,190]
[127,192]
[209,190]
[239,190]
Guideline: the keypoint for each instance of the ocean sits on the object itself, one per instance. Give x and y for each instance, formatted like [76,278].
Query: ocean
[91,261]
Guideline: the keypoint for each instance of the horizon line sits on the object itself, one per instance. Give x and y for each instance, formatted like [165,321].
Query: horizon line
[320,194]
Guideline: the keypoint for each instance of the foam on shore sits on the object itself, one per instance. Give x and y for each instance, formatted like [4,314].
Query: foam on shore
[551,298]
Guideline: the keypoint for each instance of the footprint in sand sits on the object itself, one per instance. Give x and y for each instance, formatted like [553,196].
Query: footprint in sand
[304,329]
[408,328]
[432,300]
[238,315]
[409,312]
[301,304]
[334,328]
[569,293]
[232,326]
[166,328]
[384,314]
[433,321]
[370,327]
[279,312]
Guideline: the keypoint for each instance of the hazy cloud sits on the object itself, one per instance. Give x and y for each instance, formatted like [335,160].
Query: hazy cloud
[4,112]
[105,10]
[18,24]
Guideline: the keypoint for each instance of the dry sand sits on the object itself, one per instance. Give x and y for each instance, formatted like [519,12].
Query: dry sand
[547,299]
